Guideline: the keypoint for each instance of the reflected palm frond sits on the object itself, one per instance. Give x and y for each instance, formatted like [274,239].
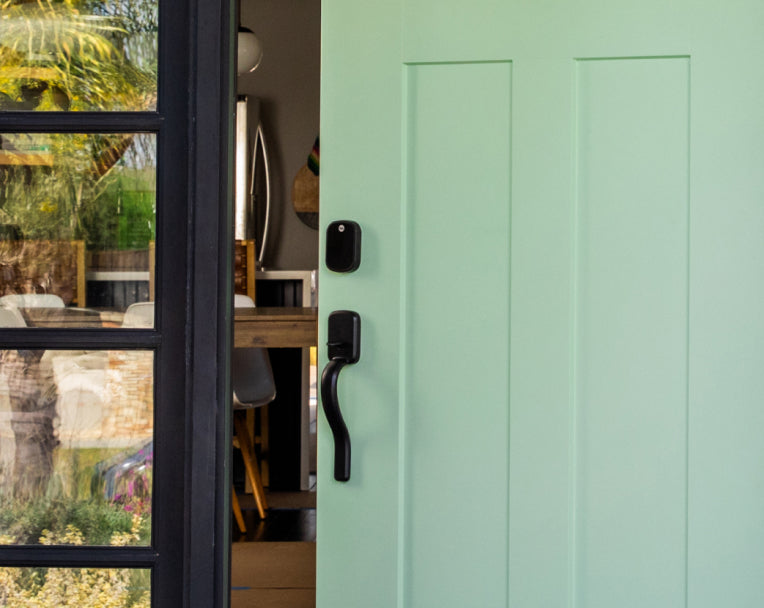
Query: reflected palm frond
[55,56]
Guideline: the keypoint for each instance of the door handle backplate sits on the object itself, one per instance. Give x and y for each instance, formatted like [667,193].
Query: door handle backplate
[344,348]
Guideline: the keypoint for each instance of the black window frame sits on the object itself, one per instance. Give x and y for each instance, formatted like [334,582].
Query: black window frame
[193,123]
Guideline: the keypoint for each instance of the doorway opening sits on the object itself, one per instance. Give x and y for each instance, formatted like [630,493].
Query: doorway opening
[273,556]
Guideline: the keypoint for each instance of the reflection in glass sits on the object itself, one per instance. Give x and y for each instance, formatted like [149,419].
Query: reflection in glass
[82,587]
[76,447]
[77,221]
[78,55]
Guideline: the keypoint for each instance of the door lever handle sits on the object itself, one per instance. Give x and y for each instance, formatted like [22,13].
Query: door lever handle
[344,348]
[333,415]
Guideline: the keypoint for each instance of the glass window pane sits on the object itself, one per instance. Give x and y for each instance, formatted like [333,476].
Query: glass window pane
[83,587]
[78,55]
[77,227]
[76,447]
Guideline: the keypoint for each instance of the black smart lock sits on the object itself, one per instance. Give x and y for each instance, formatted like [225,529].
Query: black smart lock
[343,246]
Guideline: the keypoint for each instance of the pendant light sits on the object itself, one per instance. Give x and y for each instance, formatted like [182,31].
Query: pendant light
[250,51]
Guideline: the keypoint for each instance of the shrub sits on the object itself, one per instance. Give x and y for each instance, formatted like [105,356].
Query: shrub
[26,522]
[82,587]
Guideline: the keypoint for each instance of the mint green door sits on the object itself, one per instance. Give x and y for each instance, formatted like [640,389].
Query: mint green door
[560,396]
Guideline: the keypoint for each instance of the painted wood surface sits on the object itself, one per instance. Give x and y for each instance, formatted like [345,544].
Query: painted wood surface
[558,401]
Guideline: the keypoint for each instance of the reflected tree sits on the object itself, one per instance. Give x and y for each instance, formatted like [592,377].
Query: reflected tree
[76,55]
[32,394]
[65,55]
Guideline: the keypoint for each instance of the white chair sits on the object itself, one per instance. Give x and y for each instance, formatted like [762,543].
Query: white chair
[139,315]
[33,300]
[10,316]
[253,386]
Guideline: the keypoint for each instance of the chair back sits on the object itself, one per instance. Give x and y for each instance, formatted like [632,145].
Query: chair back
[242,301]
[33,300]
[139,315]
[10,316]
[251,372]
[252,378]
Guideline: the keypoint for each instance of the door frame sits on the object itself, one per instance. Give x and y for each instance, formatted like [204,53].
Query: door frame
[189,554]
[207,546]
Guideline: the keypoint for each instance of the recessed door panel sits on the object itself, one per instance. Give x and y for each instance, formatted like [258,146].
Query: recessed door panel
[458,134]
[631,330]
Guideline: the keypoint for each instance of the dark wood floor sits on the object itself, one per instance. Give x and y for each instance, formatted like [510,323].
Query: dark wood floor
[280,525]
[273,563]
[290,518]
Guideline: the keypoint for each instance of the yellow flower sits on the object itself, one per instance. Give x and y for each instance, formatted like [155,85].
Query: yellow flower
[48,207]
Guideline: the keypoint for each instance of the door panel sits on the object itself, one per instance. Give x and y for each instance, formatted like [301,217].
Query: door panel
[558,397]
[447,170]
[630,343]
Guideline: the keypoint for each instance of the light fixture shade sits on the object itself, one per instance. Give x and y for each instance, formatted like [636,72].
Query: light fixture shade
[250,51]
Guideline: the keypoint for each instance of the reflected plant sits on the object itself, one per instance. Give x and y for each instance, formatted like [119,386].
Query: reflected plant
[75,55]
[26,522]
[72,55]
[82,195]
[82,587]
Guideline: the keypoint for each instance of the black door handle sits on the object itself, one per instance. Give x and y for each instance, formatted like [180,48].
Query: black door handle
[344,348]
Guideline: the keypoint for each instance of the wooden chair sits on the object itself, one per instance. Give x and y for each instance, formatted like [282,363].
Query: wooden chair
[253,387]
[80,292]
[244,268]
[152,265]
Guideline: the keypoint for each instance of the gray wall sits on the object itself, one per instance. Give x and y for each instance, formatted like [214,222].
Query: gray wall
[287,84]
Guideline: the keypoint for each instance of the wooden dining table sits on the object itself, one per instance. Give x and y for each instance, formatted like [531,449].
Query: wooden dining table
[275,327]
[268,327]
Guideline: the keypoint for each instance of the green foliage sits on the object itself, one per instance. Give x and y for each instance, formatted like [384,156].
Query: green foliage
[26,522]
[78,55]
[38,203]
[136,220]
[72,200]
[125,216]
[82,587]
[75,468]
